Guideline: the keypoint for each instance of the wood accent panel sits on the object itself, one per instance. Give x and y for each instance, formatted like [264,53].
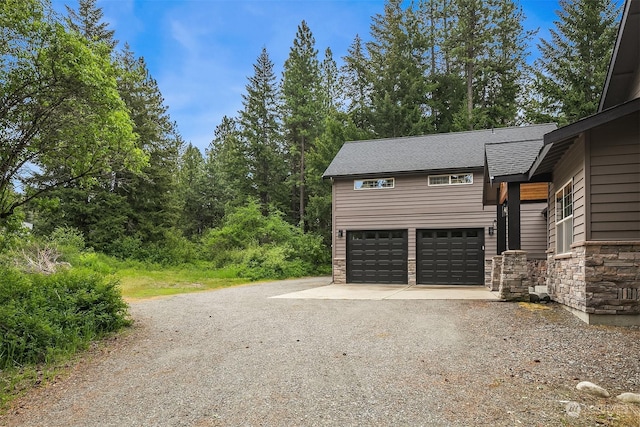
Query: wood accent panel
[529,192]
[534,191]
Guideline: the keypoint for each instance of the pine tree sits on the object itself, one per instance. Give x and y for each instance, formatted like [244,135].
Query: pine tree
[87,21]
[500,79]
[447,97]
[192,189]
[397,68]
[152,195]
[227,168]
[337,128]
[262,137]
[302,107]
[572,67]
[470,38]
[357,85]
[331,84]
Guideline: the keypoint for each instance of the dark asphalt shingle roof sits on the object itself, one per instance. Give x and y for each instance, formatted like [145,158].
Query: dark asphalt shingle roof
[437,152]
[513,157]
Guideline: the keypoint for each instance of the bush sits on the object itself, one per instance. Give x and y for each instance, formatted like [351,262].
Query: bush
[42,316]
[69,240]
[265,247]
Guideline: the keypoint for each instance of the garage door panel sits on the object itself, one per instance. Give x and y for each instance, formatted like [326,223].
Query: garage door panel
[450,256]
[377,256]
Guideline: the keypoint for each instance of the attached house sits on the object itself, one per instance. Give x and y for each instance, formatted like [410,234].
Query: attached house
[594,194]
[593,170]
[410,210]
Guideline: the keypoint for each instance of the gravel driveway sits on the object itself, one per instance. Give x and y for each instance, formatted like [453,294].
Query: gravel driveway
[236,357]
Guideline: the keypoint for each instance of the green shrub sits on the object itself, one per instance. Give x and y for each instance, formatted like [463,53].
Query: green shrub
[96,262]
[126,247]
[265,247]
[42,316]
[69,240]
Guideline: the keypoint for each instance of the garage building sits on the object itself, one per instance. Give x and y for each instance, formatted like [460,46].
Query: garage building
[410,210]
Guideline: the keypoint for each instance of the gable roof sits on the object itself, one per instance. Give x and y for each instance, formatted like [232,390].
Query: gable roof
[511,160]
[437,152]
[625,59]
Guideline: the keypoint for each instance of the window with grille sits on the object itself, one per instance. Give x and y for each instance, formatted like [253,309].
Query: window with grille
[457,179]
[564,219]
[373,184]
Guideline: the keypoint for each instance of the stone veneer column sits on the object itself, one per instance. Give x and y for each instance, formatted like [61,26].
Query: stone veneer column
[339,271]
[488,269]
[514,279]
[496,272]
[411,268]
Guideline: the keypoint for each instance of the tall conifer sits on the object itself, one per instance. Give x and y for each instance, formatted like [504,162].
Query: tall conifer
[302,111]
[260,128]
[571,70]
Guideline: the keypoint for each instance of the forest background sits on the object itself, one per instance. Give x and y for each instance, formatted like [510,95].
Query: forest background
[89,146]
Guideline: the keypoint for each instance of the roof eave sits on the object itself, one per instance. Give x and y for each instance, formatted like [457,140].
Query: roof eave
[574,129]
[614,55]
[559,136]
[403,173]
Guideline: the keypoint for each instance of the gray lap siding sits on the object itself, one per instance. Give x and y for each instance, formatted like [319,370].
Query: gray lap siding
[411,205]
[614,184]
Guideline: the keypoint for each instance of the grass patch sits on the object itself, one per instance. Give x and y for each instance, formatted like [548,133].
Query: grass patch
[139,283]
[534,307]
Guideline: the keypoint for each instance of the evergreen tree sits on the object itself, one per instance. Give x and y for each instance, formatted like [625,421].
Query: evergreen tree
[337,128]
[470,38]
[227,168]
[478,62]
[504,79]
[357,85]
[262,137]
[98,213]
[152,194]
[301,109]
[193,193]
[572,67]
[87,21]
[397,72]
[331,84]
[447,97]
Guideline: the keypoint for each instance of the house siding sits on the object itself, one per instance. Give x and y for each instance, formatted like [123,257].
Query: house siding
[570,167]
[533,230]
[615,180]
[411,205]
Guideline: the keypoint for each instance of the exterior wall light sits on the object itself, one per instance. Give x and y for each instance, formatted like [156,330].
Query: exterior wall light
[340,233]
[492,228]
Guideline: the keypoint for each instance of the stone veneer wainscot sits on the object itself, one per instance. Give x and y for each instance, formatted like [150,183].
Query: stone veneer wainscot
[597,277]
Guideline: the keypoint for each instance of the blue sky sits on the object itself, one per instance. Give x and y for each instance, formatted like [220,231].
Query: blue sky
[201,52]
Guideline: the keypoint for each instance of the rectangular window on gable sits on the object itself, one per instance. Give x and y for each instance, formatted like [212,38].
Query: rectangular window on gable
[457,179]
[373,184]
[564,219]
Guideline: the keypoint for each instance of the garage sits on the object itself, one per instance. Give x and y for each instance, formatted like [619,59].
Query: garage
[377,256]
[450,257]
